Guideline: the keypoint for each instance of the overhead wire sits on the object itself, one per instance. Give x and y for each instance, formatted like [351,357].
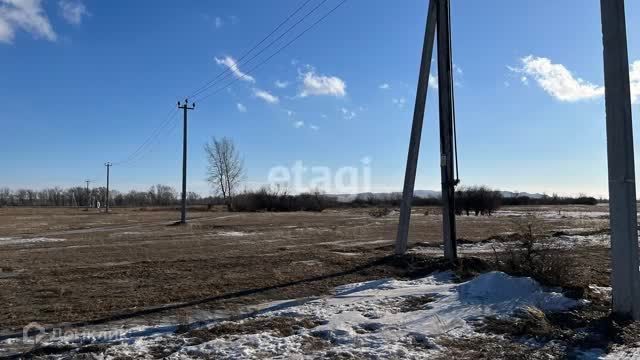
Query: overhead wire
[238,63]
[148,143]
[235,66]
[251,71]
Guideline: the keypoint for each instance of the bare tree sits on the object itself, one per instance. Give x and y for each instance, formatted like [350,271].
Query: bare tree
[225,169]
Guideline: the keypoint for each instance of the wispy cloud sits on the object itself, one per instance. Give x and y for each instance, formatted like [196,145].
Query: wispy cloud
[556,80]
[298,124]
[399,102]
[433,81]
[348,114]
[230,62]
[313,84]
[634,77]
[73,11]
[266,96]
[314,127]
[241,107]
[281,84]
[384,86]
[26,15]
[218,22]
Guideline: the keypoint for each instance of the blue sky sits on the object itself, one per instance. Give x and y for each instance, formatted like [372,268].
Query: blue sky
[84,82]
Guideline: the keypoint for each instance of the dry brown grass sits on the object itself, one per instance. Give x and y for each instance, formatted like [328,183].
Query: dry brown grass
[131,260]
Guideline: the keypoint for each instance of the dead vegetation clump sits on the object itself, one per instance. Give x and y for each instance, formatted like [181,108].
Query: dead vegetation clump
[495,348]
[531,253]
[379,212]
[527,321]
[415,303]
[278,326]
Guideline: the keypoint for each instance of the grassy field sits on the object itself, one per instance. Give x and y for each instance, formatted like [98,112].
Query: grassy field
[70,265]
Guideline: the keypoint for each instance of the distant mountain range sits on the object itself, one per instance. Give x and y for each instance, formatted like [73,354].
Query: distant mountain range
[418,193]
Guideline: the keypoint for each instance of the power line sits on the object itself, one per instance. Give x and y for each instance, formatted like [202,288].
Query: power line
[154,135]
[250,71]
[150,148]
[196,92]
[152,139]
[238,63]
[157,132]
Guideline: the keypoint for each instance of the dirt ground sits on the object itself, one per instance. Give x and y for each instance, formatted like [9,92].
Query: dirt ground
[69,265]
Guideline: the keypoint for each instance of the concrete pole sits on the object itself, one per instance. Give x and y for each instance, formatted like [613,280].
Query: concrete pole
[108,165]
[622,187]
[416,131]
[445,95]
[183,209]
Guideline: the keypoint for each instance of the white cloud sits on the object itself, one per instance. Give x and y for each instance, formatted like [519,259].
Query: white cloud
[314,127]
[230,62]
[433,81]
[384,86]
[313,84]
[634,78]
[347,114]
[524,80]
[241,107]
[281,84]
[557,80]
[399,102]
[298,124]
[73,11]
[264,95]
[26,15]
[218,22]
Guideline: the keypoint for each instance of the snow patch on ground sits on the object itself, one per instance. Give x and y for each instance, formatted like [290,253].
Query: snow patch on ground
[556,242]
[375,319]
[233,233]
[551,214]
[21,241]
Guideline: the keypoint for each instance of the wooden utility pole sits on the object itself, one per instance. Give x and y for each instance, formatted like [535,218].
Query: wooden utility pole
[439,16]
[416,130]
[108,165]
[622,188]
[185,108]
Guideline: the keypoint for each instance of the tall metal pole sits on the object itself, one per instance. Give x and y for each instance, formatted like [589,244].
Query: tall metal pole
[183,212]
[445,89]
[622,188]
[416,130]
[108,165]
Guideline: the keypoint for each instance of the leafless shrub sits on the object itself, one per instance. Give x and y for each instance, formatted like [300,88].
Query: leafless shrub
[277,199]
[533,254]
